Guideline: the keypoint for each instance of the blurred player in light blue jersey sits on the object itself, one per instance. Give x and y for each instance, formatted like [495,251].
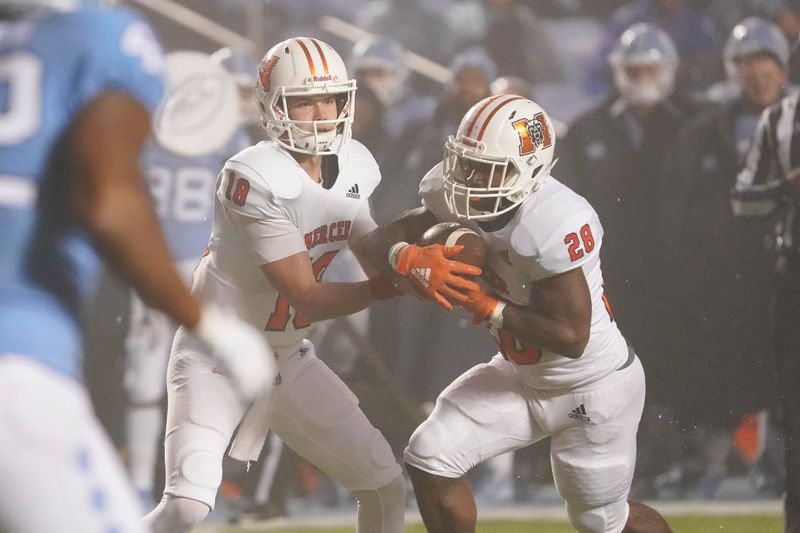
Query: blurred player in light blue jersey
[76,89]
[182,188]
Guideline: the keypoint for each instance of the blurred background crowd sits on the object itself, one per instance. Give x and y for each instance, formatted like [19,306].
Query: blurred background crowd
[656,103]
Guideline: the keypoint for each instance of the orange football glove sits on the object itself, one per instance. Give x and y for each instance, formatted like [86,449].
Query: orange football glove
[483,307]
[433,274]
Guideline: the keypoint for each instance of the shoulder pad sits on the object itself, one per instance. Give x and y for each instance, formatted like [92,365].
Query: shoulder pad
[272,166]
[431,192]
[355,157]
[558,228]
[432,181]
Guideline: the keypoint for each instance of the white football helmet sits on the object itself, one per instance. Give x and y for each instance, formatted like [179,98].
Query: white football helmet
[641,45]
[304,66]
[513,140]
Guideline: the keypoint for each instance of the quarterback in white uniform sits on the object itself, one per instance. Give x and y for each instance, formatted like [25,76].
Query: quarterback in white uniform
[283,209]
[564,370]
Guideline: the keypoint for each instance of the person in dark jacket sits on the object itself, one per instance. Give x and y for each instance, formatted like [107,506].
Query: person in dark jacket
[613,156]
[718,307]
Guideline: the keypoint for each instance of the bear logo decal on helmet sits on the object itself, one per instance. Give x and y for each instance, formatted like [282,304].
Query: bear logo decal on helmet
[533,133]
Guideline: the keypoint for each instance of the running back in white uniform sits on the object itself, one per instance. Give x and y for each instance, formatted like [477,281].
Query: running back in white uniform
[554,231]
[590,406]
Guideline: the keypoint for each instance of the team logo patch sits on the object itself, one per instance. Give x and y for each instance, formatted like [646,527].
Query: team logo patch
[265,72]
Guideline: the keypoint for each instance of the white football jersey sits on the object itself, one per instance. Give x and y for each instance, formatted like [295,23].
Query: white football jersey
[555,230]
[267,208]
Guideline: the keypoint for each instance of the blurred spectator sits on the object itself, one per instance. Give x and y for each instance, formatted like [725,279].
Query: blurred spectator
[518,86]
[243,67]
[751,37]
[416,357]
[412,24]
[511,85]
[693,34]
[377,62]
[369,127]
[613,155]
[783,13]
[718,304]
[472,70]
[518,42]
[768,185]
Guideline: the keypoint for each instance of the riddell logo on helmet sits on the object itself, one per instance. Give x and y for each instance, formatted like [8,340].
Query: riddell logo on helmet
[327,77]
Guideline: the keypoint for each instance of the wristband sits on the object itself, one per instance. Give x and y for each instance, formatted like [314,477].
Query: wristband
[496,317]
[394,252]
[382,288]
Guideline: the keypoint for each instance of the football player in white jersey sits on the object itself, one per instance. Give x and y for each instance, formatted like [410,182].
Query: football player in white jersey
[282,211]
[564,370]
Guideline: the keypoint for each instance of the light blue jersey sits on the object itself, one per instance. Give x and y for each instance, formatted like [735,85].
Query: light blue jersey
[182,189]
[50,68]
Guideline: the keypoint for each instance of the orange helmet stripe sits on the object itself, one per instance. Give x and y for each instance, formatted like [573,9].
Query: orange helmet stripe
[321,54]
[475,118]
[495,110]
[308,56]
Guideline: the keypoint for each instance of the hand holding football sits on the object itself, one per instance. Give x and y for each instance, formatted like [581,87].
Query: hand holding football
[452,234]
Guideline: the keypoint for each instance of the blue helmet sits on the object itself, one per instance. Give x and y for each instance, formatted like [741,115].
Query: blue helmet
[755,36]
[243,68]
[644,44]
[383,54]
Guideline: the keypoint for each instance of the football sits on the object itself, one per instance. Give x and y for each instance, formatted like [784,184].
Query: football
[453,233]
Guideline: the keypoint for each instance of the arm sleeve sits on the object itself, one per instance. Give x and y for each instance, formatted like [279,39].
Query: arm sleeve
[759,188]
[574,243]
[262,238]
[248,203]
[363,223]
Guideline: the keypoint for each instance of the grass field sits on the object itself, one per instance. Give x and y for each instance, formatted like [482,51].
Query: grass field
[760,523]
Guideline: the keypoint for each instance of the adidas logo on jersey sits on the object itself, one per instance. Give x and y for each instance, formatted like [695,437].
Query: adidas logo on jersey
[579,413]
[423,275]
[505,256]
[353,192]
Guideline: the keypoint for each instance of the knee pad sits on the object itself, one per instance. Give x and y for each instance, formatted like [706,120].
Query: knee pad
[382,509]
[176,515]
[609,518]
[438,444]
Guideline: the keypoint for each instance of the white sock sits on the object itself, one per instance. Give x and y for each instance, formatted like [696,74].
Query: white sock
[382,510]
[144,425]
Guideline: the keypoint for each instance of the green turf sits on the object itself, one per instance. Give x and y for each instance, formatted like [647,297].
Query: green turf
[680,524]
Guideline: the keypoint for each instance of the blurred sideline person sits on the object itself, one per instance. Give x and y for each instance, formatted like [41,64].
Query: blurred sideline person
[79,88]
[564,370]
[378,62]
[283,210]
[717,315]
[769,185]
[613,156]
[242,66]
[182,189]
